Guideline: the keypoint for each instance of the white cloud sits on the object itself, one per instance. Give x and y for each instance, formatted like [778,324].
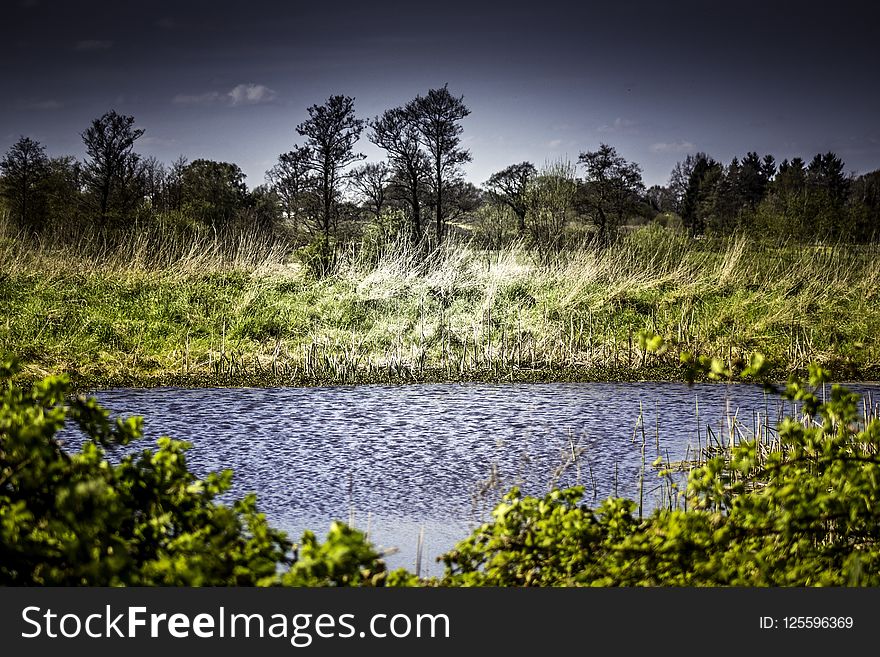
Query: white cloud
[554,143]
[242,94]
[619,125]
[89,45]
[251,94]
[673,147]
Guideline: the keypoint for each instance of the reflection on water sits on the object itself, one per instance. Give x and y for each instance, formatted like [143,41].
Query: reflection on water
[398,458]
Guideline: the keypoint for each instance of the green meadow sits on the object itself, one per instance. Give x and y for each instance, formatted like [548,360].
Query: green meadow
[155,309]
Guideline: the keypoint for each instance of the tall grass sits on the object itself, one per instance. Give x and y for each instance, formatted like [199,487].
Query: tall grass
[152,247]
[240,308]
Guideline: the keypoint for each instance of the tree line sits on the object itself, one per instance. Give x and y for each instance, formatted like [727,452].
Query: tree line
[321,191]
[793,199]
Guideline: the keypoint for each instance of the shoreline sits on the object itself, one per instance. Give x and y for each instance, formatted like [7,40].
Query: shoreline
[402,377]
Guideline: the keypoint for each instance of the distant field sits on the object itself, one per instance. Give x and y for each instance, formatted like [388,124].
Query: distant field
[247,312]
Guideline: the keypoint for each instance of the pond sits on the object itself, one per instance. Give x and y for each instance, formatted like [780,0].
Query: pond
[433,459]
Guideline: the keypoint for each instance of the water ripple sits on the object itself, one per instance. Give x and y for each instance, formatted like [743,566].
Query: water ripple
[400,457]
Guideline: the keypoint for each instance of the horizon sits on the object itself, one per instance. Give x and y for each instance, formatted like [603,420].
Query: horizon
[657,83]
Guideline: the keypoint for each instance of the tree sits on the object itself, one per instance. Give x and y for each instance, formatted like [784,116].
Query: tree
[704,175]
[332,131]
[679,179]
[262,209]
[825,172]
[865,204]
[174,184]
[396,133]
[435,117]
[741,187]
[371,182]
[154,175]
[63,191]
[791,177]
[828,189]
[551,196]
[754,178]
[509,187]
[660,199]
[612,186]
[214,191]
[722,206]
[784,210]
[294,182]
[109,142]
[463,199]
[24,168]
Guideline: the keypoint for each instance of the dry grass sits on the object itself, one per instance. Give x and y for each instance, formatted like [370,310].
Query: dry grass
[152,307]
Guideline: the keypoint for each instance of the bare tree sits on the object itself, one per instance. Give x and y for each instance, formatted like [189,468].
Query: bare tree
[154,175]
[371,182]
[510,187]
[109,142]
[332,131]
[174,184]
[293,181]
[551,197]
[463,199]
[396,133]
[436,116]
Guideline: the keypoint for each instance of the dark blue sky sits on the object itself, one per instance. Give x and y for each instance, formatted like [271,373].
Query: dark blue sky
[544,80]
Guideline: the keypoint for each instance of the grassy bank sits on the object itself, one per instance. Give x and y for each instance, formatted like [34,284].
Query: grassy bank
[244,310]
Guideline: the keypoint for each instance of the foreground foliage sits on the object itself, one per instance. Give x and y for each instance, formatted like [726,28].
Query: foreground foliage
[803,511]
[800,509]
[73,518]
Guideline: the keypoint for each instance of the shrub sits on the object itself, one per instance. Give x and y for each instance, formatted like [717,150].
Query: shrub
[802,510]
[73,518]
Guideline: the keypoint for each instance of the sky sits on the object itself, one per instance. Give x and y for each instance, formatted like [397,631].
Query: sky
[544,80]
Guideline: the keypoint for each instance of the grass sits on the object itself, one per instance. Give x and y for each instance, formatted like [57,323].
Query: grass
[242,310]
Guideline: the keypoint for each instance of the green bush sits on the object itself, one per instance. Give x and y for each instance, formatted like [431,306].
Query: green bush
[803,510]
[73,518]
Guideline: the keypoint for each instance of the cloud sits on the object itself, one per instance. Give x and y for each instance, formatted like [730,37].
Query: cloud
[673,147]
[251,94]
[89,45]
[619,125]
[554,143]
[242,94]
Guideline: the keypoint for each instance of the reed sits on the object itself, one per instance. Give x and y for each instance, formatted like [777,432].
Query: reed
[153,307]
[761,429]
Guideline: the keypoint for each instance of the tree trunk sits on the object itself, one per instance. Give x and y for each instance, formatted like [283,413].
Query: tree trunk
[439,207]
[327,197]
[105,197]
[416,205]
[24,196]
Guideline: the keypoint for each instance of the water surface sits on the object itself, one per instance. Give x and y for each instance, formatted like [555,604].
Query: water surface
[396,459]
